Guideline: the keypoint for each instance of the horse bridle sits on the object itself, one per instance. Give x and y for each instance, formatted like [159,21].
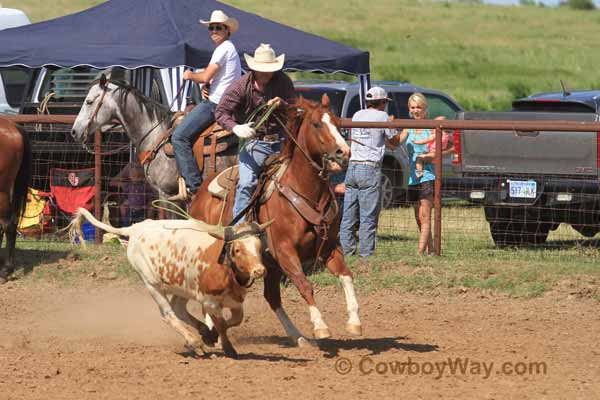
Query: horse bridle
[321,169]
[95,114]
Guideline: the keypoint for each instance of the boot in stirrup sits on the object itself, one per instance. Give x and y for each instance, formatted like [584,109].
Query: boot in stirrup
[183,194]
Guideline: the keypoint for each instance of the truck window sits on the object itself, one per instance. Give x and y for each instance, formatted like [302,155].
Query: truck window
[399,107]
[336,97]
[68,84]
[353,106]
[439,106]
[15,80]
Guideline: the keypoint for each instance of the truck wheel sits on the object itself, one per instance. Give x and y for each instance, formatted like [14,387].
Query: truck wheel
[518,233]
[586,230]
[508,227]
[392,193]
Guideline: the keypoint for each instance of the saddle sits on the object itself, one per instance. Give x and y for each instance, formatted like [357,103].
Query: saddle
[211,143]
[226,181]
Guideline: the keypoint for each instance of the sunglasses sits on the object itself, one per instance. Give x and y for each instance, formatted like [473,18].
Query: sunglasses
[216,28]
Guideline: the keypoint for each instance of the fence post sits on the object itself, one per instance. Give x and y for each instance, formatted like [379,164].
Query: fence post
[98,180]
[437,197]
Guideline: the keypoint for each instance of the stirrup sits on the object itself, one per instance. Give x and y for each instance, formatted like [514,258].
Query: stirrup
[183,193]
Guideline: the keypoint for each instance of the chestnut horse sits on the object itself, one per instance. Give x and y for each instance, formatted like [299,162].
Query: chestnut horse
[306,215]
[15,175]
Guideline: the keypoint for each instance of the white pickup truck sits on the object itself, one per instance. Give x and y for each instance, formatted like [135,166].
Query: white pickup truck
[14,79]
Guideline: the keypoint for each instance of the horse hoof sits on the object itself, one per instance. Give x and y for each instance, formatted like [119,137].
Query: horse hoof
[3,280]
[196,347]
[305,343]
[353,329]
[321,333]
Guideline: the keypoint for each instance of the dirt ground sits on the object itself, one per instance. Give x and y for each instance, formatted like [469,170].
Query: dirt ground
[101,339]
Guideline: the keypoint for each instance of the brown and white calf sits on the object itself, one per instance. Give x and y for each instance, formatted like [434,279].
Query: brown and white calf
[181,258]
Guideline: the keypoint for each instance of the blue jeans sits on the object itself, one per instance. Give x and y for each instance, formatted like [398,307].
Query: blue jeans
[183,140]
[362,202]
[252,158]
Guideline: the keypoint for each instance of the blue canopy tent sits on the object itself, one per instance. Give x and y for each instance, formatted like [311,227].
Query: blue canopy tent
[149,34]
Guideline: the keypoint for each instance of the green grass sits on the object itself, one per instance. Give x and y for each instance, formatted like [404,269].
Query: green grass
[62,263]
[483,55]
[470,261]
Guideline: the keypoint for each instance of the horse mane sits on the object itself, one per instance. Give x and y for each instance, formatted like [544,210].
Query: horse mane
[152,107]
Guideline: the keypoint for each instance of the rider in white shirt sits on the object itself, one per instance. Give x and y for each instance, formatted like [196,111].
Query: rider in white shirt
[223,69]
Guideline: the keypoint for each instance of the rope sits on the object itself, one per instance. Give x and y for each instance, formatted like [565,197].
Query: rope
[43,109]
[173,208]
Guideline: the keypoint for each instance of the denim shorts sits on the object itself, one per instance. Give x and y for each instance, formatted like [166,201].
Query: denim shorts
[420,191]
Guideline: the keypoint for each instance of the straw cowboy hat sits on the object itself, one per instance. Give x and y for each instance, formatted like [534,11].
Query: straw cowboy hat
[219,17]
[264,59]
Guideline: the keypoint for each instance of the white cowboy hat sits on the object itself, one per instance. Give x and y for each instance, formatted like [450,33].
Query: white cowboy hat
[219,17]
[264,59]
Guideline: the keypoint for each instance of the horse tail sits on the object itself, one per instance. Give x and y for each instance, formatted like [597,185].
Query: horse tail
[82,214]
[23,180]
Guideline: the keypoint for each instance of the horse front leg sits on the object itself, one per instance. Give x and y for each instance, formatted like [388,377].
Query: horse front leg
[337,266]
[293,268]
[272,293]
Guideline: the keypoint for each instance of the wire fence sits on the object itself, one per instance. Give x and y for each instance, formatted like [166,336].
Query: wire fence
[468,226]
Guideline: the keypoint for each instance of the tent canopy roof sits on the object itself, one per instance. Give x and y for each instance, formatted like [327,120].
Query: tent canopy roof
[165,33]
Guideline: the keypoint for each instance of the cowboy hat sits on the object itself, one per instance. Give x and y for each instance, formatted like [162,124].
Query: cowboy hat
[264,59]
[219,17]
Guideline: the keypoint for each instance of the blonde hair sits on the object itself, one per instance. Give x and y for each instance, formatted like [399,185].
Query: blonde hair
[419,99]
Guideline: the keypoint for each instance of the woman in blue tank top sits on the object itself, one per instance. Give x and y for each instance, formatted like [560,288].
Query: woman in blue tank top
[420,190]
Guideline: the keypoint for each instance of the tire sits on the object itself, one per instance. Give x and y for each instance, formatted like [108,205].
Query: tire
[391,187]
[387,191]
[586,230]
[518,234]
[508,228]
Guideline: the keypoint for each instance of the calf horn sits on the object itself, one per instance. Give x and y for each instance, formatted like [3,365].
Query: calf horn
[213,230]
[264,226]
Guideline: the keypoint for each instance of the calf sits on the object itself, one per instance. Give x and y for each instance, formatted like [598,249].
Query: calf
[192,260]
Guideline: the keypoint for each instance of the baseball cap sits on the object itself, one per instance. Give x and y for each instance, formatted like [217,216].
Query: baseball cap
[376,93]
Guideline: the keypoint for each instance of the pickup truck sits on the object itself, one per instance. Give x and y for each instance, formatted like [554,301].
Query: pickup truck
[531,182]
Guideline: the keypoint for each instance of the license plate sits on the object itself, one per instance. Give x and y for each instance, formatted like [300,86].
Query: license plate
[523,189]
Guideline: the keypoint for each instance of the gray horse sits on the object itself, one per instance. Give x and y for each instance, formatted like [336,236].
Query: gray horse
[143,119]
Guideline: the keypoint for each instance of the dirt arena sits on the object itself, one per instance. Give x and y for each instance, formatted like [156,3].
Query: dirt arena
[104,339]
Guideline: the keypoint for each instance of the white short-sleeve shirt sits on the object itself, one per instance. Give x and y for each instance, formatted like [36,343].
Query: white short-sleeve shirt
[230,69]
[371,137]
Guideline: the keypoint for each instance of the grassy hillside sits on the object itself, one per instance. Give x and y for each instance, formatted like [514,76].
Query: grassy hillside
[482,55]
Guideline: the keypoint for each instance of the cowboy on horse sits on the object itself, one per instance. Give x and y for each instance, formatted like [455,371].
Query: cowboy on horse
[265,84]
[223,69]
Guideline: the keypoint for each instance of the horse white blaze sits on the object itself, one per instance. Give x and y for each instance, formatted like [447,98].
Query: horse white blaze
[339,140]
[351,302]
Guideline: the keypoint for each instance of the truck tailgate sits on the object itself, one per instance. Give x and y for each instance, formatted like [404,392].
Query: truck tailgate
[524,153]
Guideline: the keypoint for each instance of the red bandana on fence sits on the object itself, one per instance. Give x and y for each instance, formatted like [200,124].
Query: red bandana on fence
[72,188]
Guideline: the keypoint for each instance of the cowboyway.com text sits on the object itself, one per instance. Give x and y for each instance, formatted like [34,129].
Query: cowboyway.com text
[451,366]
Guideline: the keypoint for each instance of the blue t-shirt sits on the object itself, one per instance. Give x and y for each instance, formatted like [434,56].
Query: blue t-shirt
[413,151]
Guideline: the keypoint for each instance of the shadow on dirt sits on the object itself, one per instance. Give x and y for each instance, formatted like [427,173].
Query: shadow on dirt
[374,345]
[243,357]
[331,347]
[28,259]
